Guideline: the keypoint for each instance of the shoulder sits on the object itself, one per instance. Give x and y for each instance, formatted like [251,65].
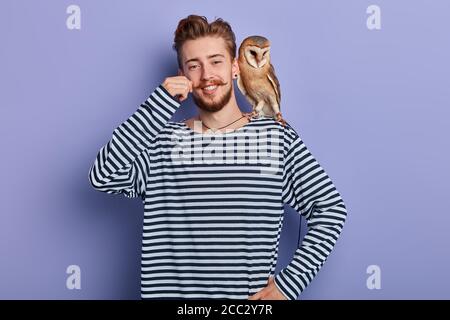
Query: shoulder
[266,123]
[287,132]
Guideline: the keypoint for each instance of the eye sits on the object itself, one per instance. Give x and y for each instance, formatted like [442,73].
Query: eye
[216,62]
[253,53]
[192,67]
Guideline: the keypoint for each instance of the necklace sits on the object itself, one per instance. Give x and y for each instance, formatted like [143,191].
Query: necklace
[223,126]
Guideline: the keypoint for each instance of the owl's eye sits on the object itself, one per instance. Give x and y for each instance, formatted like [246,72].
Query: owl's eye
[253,53]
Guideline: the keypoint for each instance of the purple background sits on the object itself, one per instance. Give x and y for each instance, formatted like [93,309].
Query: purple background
[372,107]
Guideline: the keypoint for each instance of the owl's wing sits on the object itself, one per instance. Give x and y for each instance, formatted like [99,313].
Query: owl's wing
[275,83]
[241,86]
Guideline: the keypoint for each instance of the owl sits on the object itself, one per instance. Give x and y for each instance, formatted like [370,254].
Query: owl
[257,80]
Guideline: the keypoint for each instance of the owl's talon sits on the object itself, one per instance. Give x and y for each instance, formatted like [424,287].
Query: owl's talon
[247,115]
[280,119]
[253,114]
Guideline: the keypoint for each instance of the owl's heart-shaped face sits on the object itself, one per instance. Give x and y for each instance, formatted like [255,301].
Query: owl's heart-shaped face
[257,57]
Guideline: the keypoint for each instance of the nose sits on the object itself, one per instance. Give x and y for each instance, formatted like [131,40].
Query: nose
[207,73]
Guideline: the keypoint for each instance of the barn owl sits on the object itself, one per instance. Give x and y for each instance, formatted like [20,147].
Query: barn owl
[257,80]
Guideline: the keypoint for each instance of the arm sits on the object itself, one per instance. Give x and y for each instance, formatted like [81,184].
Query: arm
[309,190]
[121,165]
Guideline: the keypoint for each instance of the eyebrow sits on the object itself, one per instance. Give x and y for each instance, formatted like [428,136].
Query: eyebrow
[209,57]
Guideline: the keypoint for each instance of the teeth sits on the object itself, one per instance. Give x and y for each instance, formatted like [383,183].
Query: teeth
[210,88]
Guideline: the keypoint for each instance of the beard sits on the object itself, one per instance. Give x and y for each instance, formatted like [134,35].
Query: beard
[210,105]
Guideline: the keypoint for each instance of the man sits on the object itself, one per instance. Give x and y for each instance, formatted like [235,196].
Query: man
[214,210]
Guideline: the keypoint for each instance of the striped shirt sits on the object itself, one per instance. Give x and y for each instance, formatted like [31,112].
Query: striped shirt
[213,202]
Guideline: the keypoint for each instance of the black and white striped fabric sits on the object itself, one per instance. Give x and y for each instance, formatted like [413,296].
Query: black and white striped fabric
[213,202]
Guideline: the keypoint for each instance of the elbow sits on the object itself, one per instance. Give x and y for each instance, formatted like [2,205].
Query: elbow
[341,210]
[93,179]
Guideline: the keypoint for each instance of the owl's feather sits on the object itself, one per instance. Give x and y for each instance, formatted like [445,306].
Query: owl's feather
[275,83]
[241,86]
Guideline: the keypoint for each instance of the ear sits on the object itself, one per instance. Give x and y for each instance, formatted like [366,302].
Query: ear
[235,67]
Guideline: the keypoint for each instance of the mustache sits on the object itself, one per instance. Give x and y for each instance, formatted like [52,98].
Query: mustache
[217,82]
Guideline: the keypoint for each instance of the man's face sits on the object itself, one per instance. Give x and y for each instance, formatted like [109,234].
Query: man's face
[207,63]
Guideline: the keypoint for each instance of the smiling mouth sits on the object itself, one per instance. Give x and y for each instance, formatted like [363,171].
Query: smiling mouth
[210,89]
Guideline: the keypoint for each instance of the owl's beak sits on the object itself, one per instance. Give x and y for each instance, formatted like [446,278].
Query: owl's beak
[261,63]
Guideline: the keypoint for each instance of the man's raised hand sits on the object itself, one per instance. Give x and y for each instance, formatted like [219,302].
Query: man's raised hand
[178,86]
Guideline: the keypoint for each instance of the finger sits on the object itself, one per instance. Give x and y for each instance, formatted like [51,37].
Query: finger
[188,85]
[178,89]
[185,80]
[180,79]
[179,85]
[257,295]
[254,297]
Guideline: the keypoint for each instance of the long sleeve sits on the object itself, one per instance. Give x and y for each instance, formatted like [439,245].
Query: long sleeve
[121,165]
[309,190]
